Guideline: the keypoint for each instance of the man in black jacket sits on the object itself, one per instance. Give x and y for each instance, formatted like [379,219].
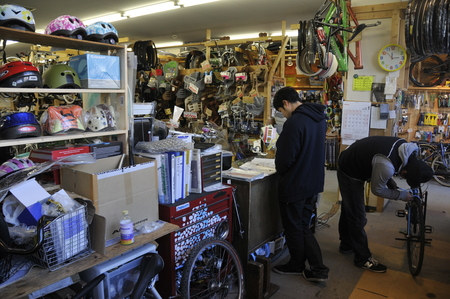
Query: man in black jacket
[300,162]
[375,158]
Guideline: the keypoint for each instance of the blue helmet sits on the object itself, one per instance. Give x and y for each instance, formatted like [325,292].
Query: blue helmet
[19,124]
[102,32]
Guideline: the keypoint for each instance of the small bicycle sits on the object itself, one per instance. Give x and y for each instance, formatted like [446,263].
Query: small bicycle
[415,213]
[437,155]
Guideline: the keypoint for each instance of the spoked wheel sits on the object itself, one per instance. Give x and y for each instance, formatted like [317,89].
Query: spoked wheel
[428,72]
[441,166]
[415,241]
[213,270]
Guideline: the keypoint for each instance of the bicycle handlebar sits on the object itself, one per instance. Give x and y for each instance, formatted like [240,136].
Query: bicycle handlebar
[20,251]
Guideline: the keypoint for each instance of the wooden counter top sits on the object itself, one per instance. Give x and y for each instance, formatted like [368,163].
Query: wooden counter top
[38,278]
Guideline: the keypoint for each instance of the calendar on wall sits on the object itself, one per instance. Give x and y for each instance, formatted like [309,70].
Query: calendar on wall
[355,121]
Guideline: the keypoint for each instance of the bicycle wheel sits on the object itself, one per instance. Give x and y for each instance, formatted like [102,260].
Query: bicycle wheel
[212,270]
[415,241]
[425,152]
[428,72]
[440,166]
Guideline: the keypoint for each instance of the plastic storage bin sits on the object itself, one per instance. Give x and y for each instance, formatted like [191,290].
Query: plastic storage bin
[121,273]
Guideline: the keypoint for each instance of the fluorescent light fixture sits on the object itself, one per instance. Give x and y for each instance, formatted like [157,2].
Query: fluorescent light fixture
[171,44]
[108,19]
[293,33]
[151,9]
[187,3]
[244,36]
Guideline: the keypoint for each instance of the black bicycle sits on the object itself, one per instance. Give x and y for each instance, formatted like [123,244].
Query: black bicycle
[437,155]
[430,71]
[415,213]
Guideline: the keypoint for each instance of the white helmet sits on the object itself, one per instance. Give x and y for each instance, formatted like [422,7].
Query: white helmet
[101,118]
[17,17]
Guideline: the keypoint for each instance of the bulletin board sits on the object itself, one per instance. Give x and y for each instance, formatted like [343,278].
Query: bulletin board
[355,121]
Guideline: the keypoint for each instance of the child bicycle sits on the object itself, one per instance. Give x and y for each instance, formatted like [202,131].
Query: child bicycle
[415,213]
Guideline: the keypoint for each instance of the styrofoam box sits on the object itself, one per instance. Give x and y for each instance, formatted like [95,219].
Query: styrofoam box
[97,71]
[121,273]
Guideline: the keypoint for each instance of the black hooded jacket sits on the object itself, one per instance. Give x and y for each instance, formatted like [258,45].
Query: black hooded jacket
[300,155]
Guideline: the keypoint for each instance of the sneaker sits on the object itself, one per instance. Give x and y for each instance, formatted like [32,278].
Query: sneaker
[309,276]
[287,269]
[373,265]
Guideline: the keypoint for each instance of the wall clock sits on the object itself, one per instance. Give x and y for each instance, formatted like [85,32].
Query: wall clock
[392,57]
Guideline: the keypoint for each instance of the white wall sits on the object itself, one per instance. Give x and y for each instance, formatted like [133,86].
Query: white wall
[373,39]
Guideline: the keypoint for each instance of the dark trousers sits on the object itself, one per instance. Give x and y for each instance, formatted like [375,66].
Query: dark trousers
[353,218]
[300,240]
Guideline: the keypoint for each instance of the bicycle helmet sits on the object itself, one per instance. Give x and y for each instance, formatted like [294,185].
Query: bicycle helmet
[101,118]
[12,165]
[20,74]
[16,17]
[61,76]
[102,32]
[19,124]
[63,119]
[67,26]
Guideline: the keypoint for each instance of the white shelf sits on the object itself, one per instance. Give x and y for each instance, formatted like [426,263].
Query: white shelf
[53,138]
[59,90]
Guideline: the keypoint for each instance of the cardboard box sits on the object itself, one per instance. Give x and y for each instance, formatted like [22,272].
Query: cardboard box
[106,149]
[112,190]
[97,71]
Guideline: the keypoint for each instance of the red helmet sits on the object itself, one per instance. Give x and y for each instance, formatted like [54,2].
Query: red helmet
[20,74]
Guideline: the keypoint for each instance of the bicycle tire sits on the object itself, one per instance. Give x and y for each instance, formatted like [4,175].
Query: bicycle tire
[425,152]
[415,241]
[212,268]
[428,72]
[439,166]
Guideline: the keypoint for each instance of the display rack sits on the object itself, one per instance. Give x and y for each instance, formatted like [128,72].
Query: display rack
[115,97]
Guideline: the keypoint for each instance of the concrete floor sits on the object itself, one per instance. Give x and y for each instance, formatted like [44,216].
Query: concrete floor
[347,281]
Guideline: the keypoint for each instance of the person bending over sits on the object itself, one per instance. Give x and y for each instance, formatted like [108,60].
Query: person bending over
[375,159]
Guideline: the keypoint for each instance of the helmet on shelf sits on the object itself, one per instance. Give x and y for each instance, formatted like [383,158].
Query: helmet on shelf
[101,118]
[12,165]
[20,74]
[102,32]
[19,124]
[61,76]
[67,26]
[63,119]
[16,17]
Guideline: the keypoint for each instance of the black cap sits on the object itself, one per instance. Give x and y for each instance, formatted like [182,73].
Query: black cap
[418,172]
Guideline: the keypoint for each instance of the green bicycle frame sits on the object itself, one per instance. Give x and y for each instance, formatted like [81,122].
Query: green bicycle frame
[342,57]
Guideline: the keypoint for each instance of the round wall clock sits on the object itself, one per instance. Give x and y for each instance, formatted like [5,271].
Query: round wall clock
[392,57]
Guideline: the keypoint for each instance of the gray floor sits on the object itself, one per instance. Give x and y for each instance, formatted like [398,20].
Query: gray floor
[348,281]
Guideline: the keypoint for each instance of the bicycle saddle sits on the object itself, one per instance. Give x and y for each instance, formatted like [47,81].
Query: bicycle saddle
[151,264]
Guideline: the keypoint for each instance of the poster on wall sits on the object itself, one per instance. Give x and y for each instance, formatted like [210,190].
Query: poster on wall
[355,121]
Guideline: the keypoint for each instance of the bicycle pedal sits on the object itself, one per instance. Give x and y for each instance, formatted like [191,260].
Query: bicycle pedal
[429,229]
[400,213]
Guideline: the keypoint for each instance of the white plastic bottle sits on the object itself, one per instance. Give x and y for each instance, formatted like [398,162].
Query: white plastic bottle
[126,229]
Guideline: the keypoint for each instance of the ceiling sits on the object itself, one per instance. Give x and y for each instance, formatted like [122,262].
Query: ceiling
[187,24]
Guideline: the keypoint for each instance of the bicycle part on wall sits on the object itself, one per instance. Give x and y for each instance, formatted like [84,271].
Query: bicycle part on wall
[426,28]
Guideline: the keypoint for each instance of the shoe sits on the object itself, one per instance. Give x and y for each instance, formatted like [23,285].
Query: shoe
[309,276]
[373,265]
[286,269]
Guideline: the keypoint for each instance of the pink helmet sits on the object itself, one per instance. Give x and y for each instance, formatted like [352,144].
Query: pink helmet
[15,164]
[68,26]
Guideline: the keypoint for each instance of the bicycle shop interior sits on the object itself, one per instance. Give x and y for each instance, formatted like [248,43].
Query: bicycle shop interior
[166,116]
